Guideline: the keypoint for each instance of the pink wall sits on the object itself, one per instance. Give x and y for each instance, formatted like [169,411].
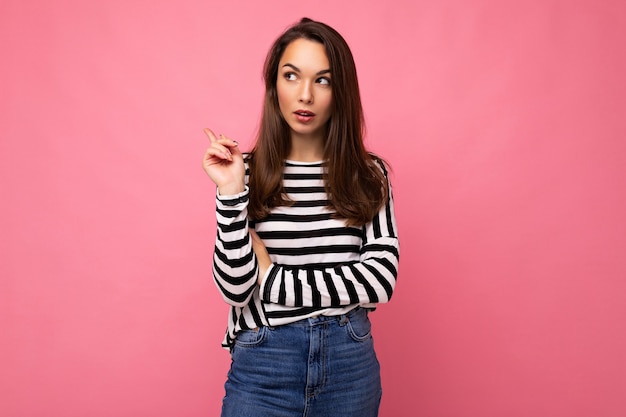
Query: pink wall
[505,125]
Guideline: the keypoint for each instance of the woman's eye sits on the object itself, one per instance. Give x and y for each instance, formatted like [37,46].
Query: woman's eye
[323,81]
[290,76]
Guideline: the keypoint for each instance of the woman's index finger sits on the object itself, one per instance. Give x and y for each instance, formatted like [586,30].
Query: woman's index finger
[210,134]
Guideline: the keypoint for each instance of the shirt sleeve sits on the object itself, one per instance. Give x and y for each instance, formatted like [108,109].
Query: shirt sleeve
[368,281]
[235,267]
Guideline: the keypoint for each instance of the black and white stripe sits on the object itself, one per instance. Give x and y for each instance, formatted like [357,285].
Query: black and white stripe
[320,265]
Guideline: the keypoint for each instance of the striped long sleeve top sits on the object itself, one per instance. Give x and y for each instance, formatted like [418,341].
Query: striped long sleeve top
[320,266]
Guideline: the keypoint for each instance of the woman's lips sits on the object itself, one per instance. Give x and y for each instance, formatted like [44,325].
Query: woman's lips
[304,116]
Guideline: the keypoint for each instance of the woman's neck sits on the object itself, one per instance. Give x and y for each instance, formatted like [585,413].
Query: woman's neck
[306,149]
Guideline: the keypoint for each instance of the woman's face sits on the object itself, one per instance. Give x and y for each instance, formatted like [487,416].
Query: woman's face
[304,89]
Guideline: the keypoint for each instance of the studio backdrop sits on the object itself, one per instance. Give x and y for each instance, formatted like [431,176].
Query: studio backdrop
[504,125]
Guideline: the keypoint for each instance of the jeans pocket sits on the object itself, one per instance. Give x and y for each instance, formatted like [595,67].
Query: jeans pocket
[250,338]
[359,326]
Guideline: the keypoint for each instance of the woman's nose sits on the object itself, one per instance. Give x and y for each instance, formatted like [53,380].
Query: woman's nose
[305,93]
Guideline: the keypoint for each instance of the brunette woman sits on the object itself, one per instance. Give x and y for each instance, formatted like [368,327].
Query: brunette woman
[306,243]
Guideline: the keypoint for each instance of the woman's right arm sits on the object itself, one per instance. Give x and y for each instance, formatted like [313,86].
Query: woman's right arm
[234,263]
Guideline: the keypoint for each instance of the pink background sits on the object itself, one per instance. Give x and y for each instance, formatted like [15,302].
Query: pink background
[505,125]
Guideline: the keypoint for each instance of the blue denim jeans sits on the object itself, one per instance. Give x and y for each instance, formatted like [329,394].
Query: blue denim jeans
[322,366]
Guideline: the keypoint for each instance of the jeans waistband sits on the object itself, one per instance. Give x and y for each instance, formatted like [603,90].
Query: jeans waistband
[341,318]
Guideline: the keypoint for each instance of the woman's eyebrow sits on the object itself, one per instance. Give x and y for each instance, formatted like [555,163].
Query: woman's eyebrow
[325,71]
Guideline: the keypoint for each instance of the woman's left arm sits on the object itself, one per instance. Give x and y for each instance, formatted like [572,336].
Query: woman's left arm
[370,280]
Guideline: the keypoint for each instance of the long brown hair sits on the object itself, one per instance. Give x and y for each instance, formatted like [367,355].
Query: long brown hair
[355,181]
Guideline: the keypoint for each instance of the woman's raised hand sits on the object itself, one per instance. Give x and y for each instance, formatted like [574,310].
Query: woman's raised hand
[223,163]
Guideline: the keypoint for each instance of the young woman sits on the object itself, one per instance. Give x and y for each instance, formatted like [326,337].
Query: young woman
[306,242]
